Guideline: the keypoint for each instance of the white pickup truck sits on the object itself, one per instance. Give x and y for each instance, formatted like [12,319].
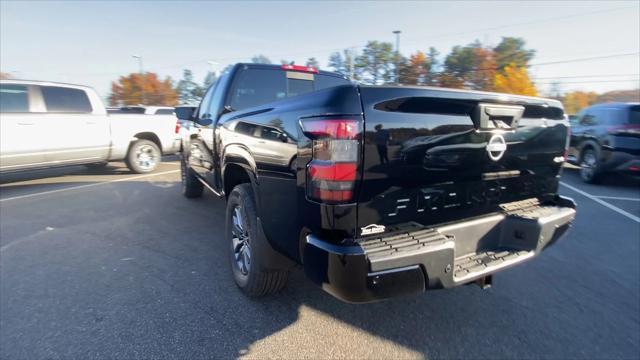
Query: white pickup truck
[46,124]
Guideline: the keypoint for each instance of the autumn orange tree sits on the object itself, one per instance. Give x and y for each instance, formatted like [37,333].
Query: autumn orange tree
[576,100]
[145,89]
[415,70]
[472,66]
[514,79]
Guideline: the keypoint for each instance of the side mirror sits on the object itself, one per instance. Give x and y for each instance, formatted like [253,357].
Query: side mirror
[185,112]
[283,137]
[204,122]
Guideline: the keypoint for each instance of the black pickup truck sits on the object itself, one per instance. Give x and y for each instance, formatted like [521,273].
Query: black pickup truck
[377,191]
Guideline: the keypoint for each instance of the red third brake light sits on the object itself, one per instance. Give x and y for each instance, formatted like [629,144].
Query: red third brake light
[332,172]
[300,68]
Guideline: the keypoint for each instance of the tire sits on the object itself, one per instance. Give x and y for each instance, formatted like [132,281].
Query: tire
[143,156]
[241,231]
[590,166]
[191,186]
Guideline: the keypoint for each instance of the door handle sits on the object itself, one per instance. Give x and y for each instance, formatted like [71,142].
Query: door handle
[25,123]
[90,122]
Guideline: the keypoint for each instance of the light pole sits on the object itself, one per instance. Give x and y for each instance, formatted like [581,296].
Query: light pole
[397,32]
[141,71]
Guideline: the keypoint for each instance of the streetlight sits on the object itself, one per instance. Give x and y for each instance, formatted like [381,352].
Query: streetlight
[141,71]
[397,32]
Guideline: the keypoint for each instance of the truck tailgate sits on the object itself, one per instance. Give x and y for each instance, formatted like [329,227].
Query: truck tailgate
[432,156]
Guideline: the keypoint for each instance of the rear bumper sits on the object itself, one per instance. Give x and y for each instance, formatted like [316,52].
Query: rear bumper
[442,257]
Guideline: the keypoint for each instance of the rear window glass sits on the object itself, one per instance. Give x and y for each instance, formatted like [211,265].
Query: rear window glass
[634,115]
[65,100]
[255,87]
[325,81]
[164,112]
[14,98]
[298,87]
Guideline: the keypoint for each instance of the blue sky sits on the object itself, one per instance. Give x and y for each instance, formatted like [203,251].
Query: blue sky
[92,42]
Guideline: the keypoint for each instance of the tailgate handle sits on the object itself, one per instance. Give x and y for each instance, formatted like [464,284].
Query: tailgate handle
[497,116]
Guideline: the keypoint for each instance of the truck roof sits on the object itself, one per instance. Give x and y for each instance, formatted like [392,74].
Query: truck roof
[614,105]
[45,83]
[280,67]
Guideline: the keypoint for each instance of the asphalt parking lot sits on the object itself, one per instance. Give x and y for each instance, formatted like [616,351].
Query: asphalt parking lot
[107,264]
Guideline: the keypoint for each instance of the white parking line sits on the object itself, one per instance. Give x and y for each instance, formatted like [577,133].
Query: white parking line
[616,198]
[88,185]
[602,202]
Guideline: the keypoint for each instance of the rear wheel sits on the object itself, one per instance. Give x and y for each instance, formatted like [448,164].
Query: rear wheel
[242,233]
[191,186]
[143,157]
[590,167]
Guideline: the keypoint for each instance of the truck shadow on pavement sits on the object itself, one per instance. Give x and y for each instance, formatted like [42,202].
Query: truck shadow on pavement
[138,271]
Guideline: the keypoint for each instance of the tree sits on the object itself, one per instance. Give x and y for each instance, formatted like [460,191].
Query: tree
[260,59]
[146,89]
[620,95]
[375,64]
[514,80]
[414,70]
[209,79]
[511,51]
[287,62]
[189,92]
[472,66]
[432,59]
[312,62]
[484,68]
[227,69]
[577,100]
[343,63]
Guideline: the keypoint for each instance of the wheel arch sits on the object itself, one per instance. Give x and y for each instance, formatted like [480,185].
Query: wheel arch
[146,135]
[588,144]
[238,166]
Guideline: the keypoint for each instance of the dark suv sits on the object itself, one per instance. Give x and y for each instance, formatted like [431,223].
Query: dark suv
[606,138]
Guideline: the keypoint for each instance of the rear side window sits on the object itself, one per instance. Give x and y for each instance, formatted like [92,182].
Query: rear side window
[65,100]
[164,112]
[254,87]
[634,115]
[245,128]
[14,98]
[612,116]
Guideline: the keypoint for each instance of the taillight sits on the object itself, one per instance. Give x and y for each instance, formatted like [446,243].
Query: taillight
[177,129]
[332,172]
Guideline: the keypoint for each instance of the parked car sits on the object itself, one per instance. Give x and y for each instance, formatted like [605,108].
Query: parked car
[376,191]
[45,124]
[606,138]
